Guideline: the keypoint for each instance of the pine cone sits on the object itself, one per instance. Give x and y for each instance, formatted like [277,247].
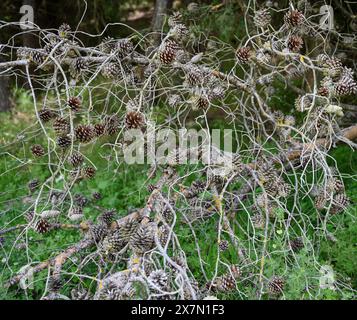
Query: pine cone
[302,103]
[112,243]
[262,18]
[49,47]
[128,228]
[216,93]
[76,211]
[54,284]
[333,67]
[88,172]
[124,47]
[334,185]
[320,201]
[168,51]
[75,175]
[108,45]
[143,239]
[47,214]
[76,159]
[243,54]
[74,103]
[179,31]
[64,142]
[61,125]
[29,216]
[345,86]
[97,232]
[112,71]
[134,120]
[276,285]
[295,43]
[163,235]
[225,283]
[294,18]
[196,188]
[201,102]
[174,100]
[37,57]
[78,66]
[194,77]
[42,226]
[174,19]
[23,53]
[75,214]
[107,216]
[321,59]
[46,115]
[347,73]
[340,203]
[235,271]
[151,187]
[37,150]
[84,133]
[99,129]
[159,278]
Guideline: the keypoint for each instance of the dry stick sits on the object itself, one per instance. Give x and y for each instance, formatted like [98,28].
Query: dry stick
[19,226]
[59,259]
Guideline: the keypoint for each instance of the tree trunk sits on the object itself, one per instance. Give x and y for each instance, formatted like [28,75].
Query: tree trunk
[5,94]
[161,7]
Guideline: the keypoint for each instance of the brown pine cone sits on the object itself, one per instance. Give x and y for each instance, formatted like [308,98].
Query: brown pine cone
[295,43]
[64,141]
[75,159]
[74,103]
[84,133]
[88,172]
[37,150]
[276,285]
[168,51]
[134,120]
[61,125]
[243,54]
[46,114]
[99,129]
[293,18]
[42,226]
